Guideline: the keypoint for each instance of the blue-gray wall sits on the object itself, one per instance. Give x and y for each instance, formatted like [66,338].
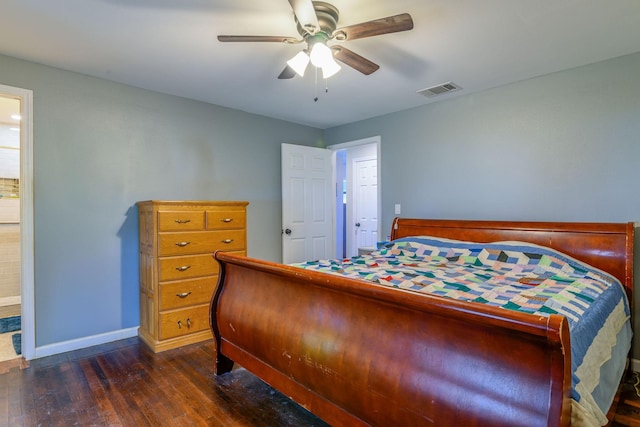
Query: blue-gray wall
[98,148]
[562,147]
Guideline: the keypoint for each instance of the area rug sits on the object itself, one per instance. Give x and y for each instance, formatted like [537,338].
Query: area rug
[17,342]
[10,324]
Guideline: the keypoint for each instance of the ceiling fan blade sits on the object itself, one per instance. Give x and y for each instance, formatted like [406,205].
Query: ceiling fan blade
[279,39]
[354,60]
[390,24]
[306,15]
[287,73]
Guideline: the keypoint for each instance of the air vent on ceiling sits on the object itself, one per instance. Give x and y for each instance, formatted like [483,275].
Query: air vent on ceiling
[439,89]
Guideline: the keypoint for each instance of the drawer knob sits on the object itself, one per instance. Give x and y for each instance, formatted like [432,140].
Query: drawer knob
[188,322]
[226,219]
[183,295]
[179,324]
[182,244]
[182,221]
[183,268]
[227,241]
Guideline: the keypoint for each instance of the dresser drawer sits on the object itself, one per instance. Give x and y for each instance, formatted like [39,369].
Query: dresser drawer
[188,267]
[186,293]
[183,322]
[226,218]
[200,242]
[181,220]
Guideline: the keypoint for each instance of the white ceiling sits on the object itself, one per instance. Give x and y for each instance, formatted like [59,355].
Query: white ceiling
[170,46]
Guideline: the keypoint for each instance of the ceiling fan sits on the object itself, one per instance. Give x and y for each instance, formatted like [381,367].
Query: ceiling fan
[317,22]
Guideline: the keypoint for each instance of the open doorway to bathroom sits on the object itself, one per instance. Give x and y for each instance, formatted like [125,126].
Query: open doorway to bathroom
[10,264]
[24,197]
[357,179]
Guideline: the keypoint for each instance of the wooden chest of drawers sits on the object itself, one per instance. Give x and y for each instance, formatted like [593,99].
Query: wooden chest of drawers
[177,270]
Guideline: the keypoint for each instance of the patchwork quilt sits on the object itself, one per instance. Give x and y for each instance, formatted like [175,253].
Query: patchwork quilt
[515,276]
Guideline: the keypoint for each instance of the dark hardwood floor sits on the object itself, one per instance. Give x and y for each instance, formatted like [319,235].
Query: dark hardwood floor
[125,384]
[628,410]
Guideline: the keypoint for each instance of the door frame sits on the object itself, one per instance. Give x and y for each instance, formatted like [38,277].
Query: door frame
[27,287]
[352,144]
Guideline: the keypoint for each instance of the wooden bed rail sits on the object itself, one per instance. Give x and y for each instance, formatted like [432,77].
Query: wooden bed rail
[358,353]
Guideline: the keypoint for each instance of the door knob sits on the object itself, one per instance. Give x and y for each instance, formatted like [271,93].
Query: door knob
[287,231]
[357,224]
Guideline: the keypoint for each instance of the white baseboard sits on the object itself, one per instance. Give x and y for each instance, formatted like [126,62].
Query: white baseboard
[61,347]
[635,365]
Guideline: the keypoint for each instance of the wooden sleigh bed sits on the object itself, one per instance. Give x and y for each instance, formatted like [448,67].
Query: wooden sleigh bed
[358,353]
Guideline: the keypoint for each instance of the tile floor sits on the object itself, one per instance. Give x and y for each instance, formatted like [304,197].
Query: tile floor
[7,352]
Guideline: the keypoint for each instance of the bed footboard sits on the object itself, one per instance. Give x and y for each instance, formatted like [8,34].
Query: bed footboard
[353,352]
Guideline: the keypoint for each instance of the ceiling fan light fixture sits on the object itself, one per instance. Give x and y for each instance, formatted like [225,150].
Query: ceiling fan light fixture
[299,63]
[330,68]
[317,22]
[320,55]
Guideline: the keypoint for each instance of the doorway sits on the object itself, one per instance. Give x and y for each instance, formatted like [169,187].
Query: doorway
[357,178]
[16,224]
[10,294]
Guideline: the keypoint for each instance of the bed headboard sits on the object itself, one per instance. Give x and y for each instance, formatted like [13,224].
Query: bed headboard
[607,246]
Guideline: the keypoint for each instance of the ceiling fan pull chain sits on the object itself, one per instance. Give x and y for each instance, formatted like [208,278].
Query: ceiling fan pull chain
[315,91]
[326,85]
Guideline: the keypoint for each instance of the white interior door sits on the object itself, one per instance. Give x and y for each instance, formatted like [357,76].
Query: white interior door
[307,219]
[362,198]
[365,192]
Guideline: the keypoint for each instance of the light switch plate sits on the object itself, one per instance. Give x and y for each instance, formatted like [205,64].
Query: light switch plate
[397,209]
